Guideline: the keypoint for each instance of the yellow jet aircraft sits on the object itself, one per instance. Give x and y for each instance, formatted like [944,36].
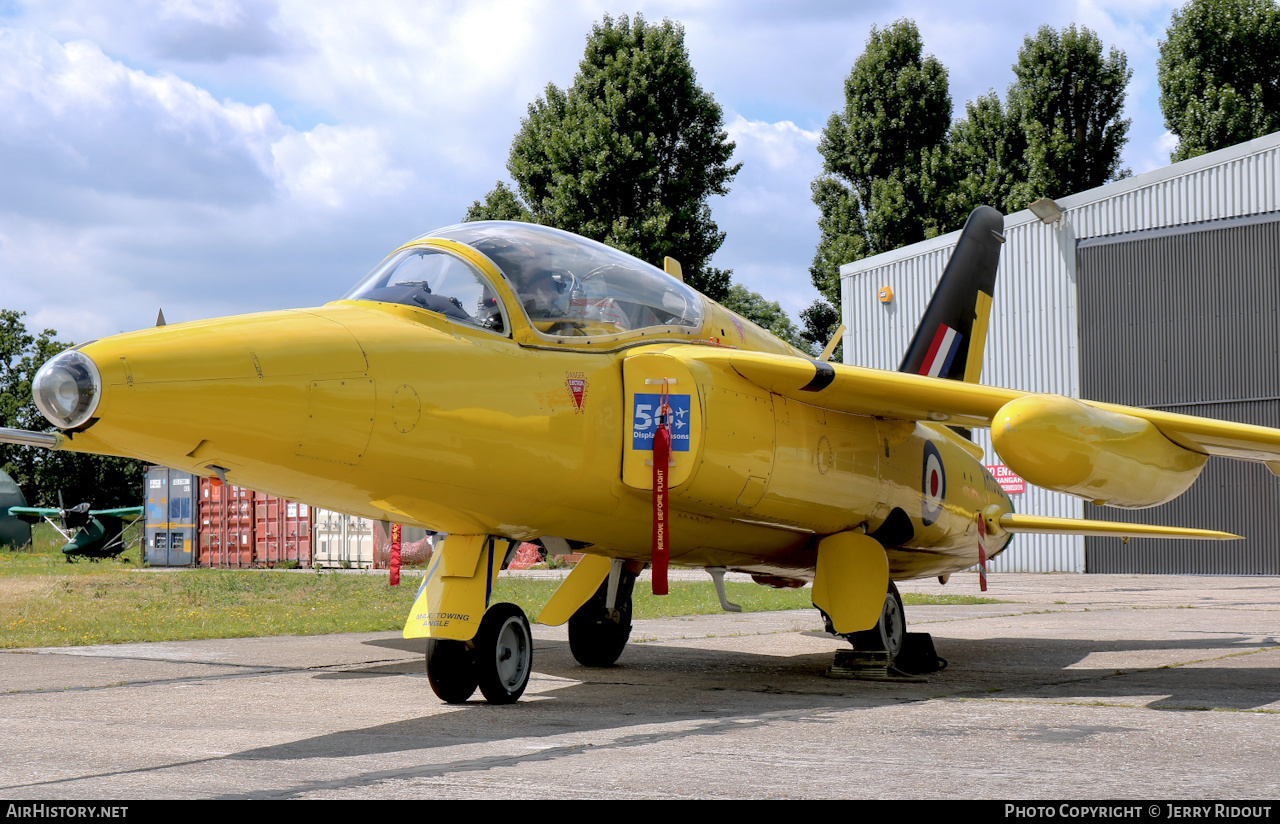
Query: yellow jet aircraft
[505,382]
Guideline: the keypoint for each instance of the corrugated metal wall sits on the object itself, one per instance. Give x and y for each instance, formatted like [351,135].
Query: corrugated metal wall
[1239,497]
[1202,305]
[1034,339]
[1202,300]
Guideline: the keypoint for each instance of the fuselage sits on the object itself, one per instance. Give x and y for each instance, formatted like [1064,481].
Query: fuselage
[397,412]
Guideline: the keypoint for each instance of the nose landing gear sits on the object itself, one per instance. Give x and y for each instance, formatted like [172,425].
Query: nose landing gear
[504,654]
[498,660]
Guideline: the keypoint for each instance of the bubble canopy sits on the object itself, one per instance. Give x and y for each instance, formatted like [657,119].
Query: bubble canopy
[566,285]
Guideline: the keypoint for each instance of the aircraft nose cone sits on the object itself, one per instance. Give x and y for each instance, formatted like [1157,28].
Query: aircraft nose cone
[67,389]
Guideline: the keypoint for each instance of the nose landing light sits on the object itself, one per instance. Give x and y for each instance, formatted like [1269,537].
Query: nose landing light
[66,389]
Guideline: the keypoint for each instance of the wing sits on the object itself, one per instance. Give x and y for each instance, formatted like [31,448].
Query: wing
[862,391]
[1106,453]
[121,512]
[903,396]
[32,514]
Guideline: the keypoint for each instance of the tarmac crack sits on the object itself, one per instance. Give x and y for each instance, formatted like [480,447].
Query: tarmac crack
[254,670]
[1120,705]
[112,774]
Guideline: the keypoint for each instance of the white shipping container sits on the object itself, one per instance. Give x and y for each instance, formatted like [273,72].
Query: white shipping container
[342,541]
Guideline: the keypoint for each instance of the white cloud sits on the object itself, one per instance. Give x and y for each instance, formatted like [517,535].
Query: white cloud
[328,164]
[181,31]
[781,146]
[1153,154]
[220,13]
[768,217]
[77,118]
[127,189]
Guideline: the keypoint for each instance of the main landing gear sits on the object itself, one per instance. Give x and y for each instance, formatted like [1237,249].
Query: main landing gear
[890,633]
[887,651]
[598,634]
[498,660]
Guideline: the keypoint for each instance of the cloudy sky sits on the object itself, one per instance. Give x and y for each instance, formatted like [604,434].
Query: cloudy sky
[214,157]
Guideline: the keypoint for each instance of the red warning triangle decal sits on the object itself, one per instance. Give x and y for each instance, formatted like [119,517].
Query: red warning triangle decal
[577,383]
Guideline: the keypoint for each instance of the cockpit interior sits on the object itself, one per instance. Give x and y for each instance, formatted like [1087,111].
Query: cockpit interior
[566,286]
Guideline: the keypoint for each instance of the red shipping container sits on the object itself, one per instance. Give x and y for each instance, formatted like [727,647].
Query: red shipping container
[225,525]
[282,531]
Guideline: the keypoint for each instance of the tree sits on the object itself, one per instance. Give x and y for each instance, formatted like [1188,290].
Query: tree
[104,481]
[1219,74]
[500,204]
[820,322]
[1067,99]
[988,150]
[885,179]
[1058,131]
[884,149]
[628,154]
[767,314]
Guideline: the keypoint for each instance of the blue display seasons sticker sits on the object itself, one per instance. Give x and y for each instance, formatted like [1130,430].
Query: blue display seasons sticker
[646,421]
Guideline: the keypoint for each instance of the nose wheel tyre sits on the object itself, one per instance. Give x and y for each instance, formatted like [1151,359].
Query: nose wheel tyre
[890,633]
[451,670]
[503,654]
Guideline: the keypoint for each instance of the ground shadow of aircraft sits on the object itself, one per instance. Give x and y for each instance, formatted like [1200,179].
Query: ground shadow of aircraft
[670,683]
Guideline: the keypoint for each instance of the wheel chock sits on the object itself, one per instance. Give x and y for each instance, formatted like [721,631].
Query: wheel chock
[918,657]
[915,660]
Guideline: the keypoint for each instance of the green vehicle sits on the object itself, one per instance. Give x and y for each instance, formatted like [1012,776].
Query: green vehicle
[90,533]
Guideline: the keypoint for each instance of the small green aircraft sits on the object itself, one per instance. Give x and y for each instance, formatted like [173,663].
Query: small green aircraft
[90,533]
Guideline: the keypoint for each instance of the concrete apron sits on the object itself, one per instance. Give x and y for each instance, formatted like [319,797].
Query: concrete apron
[1076,686]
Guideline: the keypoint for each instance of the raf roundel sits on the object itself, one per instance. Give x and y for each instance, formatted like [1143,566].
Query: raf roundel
[933,485]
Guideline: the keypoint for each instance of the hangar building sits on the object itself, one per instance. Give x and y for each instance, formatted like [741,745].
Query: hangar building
[1159,291]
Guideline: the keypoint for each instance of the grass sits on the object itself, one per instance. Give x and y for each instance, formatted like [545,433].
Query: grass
[45,601]
[912,599]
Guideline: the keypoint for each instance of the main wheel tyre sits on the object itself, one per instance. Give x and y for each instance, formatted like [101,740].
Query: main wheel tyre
[890,632]
[503,653]
[596,636]
[451,670]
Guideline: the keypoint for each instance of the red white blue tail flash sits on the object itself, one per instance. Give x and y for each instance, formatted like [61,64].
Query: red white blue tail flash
[956,317]
[942,351]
